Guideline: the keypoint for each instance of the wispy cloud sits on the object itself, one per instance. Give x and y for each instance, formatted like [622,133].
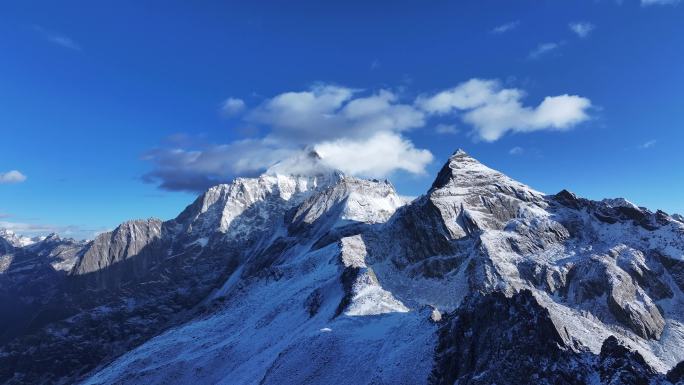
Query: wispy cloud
[446,129]
[10,177]
[375,64]
[516,150]
[503,28]
[57,38]
[582,28]
[648,144]
[659,2]
[232,106]
[543,49]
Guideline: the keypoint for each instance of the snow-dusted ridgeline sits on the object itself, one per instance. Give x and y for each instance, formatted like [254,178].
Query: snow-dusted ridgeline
[323,278]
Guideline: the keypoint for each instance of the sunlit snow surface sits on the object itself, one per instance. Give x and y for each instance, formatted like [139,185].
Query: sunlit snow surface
[264,334]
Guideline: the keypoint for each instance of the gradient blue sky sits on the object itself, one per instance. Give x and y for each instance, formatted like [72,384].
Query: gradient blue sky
[88,89]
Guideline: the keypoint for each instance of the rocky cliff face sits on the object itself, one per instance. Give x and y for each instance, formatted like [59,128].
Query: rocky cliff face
[321,278]
[125,254]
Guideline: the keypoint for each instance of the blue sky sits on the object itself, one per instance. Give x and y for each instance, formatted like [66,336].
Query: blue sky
[108,109]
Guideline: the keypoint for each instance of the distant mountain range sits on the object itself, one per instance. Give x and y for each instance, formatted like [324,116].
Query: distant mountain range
[320,278]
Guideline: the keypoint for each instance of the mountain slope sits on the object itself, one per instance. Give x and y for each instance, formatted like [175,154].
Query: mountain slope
[323,278]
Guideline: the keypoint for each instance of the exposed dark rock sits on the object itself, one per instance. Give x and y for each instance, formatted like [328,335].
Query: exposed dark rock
[499,340]
[586,282]
[662,218]
[445,174]
[424,234]
[676,374]
[620,365]
[566,198]
[647,321]
[674,267]
[650,280]
[313,302]
[122,255]
[494,339]
[348,277]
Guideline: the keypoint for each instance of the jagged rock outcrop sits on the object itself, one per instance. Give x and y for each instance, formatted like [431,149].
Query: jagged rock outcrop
[495,339]
[125,254]
[620,365]
[348,201]
[500,340]
[363,294]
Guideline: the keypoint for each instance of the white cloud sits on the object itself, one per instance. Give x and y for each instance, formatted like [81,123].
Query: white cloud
[494,111]
[492,121]
[64,42]
[582,29]
[542,49]
[470,94]
[199,169]
[233,106]
[360,132]
[331,118]
[648,144]
[12,176]
[58,38]
[516,150]
[196,170]
[377,156]
[503,28]
[446,129]
[328,112]
[659,2]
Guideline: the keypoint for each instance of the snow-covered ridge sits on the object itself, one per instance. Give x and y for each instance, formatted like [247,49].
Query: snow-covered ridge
[351,200]
[17,240]
[222,205]
[619,202]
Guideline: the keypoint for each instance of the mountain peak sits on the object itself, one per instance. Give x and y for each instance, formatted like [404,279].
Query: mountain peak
[15,239]
[461,169]
[313,154]
[305,163]
[459,152]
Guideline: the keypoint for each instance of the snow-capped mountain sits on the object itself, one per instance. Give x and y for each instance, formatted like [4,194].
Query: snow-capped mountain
[15,239]
[308,276]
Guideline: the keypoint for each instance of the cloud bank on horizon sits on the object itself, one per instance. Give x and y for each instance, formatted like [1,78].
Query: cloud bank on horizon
[358,132]
[42,229]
